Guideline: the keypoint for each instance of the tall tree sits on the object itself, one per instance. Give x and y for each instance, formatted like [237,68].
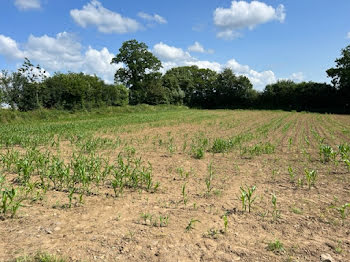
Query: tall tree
[341,76]
[139,65]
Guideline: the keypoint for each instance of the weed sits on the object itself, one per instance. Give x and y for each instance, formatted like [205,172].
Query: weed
[276,247]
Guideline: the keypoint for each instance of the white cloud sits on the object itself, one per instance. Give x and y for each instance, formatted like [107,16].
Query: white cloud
[153,18]
[173,57]
[258,79]
[228,34]
[61,53]
[196,47]
[243,14]
[297,77]
[9,48]
[170,53]
[105,20]
[27,4]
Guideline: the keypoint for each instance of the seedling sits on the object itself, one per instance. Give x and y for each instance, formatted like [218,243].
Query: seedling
[184,194]
[276,247]
[225,223]
[275,213]
[209,178]
[291,174]
[310,177]
[247,198]
[190,225]
[342,210]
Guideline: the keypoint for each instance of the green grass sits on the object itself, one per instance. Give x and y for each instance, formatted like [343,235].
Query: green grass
[40,257]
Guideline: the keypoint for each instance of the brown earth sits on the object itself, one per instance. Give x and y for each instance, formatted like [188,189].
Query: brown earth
[109,228]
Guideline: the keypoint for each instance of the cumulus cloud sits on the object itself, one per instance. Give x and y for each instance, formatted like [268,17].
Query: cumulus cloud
[9,48]
[27,4]
[170,53]
[173,57]
[153,18]
[297,77]
[61,53]
[243,15]
[105,20]
[258,79]
[198,48]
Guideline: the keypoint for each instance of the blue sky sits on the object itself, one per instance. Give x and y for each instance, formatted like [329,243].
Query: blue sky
[264,40]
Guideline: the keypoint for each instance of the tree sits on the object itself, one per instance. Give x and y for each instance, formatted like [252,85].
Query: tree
[341,76]
[233,91]
[139,64]
[23,89]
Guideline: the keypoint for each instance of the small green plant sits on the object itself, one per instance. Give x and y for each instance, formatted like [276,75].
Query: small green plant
[190,225]
[225,223]
[275,213]
[276,247]
[209,178]
[184,194]
[10,201]
[310,176]
[291,174]
[342,210]
[198,153]
[246,197]
[327,153]
[297,211]
[163,221]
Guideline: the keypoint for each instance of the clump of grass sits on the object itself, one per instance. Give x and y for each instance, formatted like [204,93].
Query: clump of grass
[276,247]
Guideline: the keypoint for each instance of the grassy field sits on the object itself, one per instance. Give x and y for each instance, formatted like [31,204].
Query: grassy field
[174,184]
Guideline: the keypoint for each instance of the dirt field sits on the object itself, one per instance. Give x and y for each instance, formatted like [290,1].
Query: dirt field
[174,186]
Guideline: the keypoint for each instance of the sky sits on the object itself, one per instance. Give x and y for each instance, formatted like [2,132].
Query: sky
[265,40]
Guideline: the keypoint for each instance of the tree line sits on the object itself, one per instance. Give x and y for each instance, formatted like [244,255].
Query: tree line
[140,82]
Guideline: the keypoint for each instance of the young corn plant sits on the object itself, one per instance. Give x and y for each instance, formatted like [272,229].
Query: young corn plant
[291,174]
[310,176]
[209,178]
[342,211]
[327,153]
[246,197]
[225,223]
[10,201]
[184,194]
[190,225]
[275,213]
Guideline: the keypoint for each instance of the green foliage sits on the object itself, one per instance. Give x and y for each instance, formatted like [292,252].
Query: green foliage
[341,75]
[140,71]
[327,153]
[276,247]
[73,91]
